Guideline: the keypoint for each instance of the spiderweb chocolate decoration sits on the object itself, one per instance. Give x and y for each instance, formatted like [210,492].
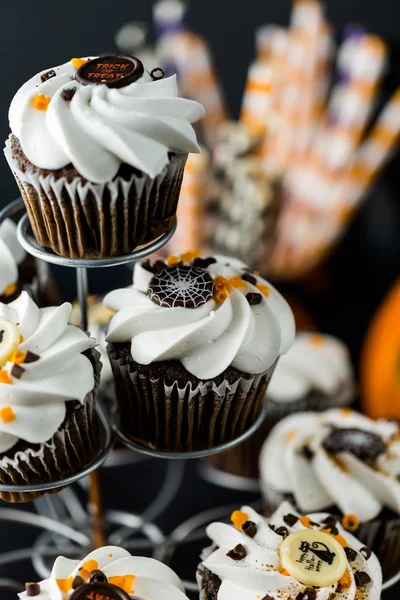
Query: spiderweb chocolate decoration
[181,286]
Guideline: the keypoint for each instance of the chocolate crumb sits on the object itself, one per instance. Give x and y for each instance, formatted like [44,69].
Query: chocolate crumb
[157,73]
[1,335]
[307,452]
[253,299]
[271,527]
[282,531]
[97,576]
[308,594]
[32,589]
[267,597]
[46,76]
[77,582]
[17,371]
[250,528]
[290,519]
[361,578]
[250,278]
[31,357]
[68,94]
[366,552]
[203,263]
[350,553]
[237,553]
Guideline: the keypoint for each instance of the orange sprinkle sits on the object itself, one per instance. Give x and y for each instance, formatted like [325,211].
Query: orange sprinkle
[345,581]
[65,585]
[346,412]
[306,521]
[239,518]
[220,297]
[21,339]
[4,377]
[84,573]
[78,62]
[41,102]
[172,260]
[222,283]
[125,582]
[339,538]
[7,415]
[350,522]
[91,565]
[237,282]
[110,555]
[189,256]
[264,289]
[283,572]
[10,289]
[18,357]
[290,435]
[317,340]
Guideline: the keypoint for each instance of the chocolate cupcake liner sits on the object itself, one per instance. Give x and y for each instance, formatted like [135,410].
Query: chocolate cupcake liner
[73,447]
[80,219]
[381,535]
[242,461]
[168,417]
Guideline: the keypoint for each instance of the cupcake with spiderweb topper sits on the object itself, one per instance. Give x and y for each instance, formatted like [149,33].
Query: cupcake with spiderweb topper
[193,345]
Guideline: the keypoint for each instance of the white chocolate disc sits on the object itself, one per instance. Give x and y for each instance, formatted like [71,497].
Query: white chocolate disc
[9,340]
[313,558]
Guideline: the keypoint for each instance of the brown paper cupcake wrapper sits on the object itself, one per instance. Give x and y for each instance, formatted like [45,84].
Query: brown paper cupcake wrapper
[164,416]
[242,460]
[80,219]
[73,447]
[381,535]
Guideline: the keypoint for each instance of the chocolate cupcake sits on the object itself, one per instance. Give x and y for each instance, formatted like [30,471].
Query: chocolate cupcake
[98,148]
[345,462]
[193,345]
[289,556]
[108,573]
[315,374]
[49,374]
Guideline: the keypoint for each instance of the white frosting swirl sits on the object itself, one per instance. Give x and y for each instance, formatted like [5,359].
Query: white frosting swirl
[152,579]
[62,372]
[257,575]
[315,362]
[355,486]
[101,127]
[207,339]
[12,255]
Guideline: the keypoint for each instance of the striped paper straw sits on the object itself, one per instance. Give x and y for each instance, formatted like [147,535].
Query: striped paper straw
[198,80]
[257,98]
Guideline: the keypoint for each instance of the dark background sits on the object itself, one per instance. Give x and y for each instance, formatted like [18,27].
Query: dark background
[36,35]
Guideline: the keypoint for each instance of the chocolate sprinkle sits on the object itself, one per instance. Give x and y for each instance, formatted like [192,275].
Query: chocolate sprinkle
[181,286]
[17,371]
[77,582]
[32,589]
[68,94]
[268,597]
[307,452]
[365,445]
[115,71]
[250,278]
[350,553]
[46,76]
[237,553]
[203,263]
[361,578]
[249,528]
[330,520]
[157,73]
[97,576]
[282,531]
[253,299]
[308,594]
[366,552]
[31,357]
[290,519]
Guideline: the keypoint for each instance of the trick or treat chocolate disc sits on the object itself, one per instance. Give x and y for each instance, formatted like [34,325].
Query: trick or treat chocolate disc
[115,71]
[99,591]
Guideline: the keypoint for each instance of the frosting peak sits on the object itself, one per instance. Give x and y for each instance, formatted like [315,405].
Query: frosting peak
[279,558]
[350,461]
[207,313]
[60,119]
[12,255]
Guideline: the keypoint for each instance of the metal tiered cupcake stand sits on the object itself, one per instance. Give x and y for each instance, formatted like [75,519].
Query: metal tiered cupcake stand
[71,527]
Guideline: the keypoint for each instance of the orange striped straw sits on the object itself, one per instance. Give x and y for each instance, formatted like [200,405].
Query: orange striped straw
[198,80]
[257,98]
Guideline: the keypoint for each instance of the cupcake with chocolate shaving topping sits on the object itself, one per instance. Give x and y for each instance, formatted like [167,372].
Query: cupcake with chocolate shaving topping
[290,556]
[193,345]
[345,462]
[98,148]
